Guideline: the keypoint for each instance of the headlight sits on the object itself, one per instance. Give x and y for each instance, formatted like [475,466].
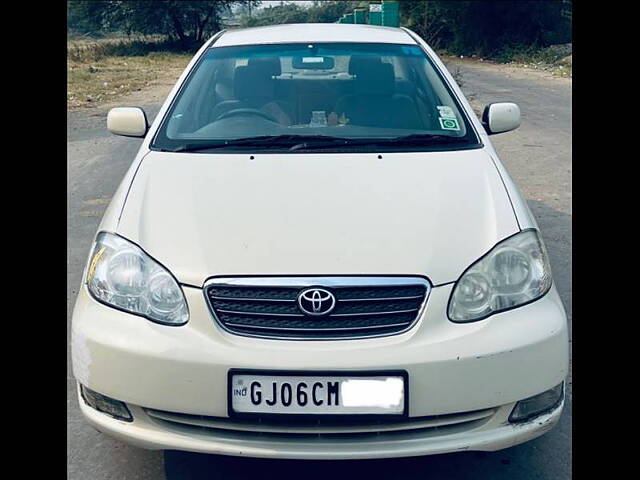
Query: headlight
[121,275]
[515,272]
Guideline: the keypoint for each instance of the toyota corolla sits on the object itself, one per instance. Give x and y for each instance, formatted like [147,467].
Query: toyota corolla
[317,254]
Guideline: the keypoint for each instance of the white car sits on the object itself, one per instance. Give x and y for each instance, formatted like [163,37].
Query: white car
[317,254]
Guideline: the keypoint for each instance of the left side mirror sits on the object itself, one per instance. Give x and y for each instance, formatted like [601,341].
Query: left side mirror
[501,117]
[127,121]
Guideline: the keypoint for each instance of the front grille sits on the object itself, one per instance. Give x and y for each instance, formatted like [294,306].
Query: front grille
[364,306]
[319,427]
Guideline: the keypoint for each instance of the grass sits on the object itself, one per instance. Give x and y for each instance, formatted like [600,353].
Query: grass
[101,70]
[555,59]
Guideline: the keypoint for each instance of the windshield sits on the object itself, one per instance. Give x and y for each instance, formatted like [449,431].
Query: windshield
[327,96]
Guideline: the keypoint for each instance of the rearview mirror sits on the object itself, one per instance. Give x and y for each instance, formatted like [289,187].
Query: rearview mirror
[501,117]
[312,63]
[127,121]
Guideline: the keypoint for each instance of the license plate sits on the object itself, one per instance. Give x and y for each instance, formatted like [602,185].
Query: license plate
[333,394]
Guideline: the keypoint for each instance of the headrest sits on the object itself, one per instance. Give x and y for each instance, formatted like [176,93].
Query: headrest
[359,64]
[373,77]
[254,80]
[270,65]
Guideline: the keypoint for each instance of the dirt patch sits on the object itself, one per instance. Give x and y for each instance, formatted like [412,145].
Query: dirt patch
[562,69]
[96,82]
[515,70]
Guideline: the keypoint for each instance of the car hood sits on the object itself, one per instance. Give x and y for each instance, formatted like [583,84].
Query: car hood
[430,214]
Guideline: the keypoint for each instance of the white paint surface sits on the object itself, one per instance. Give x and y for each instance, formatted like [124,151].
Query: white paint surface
[80,357]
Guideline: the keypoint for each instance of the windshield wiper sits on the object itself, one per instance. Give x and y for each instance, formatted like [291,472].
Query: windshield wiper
[260,141]
[310,142]
[428,138]
[414,139]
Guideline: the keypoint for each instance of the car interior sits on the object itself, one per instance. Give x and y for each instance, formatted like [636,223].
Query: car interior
[370,91]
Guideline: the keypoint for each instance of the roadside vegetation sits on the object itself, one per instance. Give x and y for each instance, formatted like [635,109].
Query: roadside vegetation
[292,12]
[100,70]
[116,47]
[532,34]
[556,59]
[527,33]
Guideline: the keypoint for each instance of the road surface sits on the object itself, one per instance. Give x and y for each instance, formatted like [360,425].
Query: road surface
[537,155]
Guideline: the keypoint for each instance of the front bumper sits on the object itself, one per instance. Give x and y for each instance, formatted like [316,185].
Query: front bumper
[452,368]
[494,434]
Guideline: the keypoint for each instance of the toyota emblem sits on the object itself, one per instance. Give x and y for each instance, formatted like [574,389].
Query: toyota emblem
[316,301]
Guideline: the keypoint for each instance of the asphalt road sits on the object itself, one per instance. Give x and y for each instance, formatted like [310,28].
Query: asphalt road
[537,155]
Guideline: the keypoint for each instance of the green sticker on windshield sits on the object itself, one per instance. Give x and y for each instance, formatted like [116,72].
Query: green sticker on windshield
[449,123]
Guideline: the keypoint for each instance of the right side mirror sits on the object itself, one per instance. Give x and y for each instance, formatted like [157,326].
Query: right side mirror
[501,117]
[127,121]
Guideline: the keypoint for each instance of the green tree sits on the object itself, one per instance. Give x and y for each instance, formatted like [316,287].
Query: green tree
[329,12]
[318,12]
[432,20]
[487,27]
[276,14]
[86,16]
[188,21]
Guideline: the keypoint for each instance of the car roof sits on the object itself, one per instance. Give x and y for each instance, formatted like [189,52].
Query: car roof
[313,32]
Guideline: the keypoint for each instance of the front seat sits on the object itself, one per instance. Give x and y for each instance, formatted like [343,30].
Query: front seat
[254,87]
[374,102]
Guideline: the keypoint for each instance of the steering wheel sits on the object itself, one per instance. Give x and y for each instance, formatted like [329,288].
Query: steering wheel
[247,111]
